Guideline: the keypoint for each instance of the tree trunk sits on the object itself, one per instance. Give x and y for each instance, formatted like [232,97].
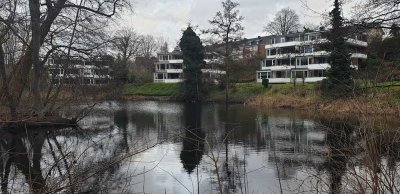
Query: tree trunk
[34,8]
[5,88]
[19,79]
[227,55]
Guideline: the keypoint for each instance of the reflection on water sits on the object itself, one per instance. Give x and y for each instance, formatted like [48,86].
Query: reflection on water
[163,147]
[193,140]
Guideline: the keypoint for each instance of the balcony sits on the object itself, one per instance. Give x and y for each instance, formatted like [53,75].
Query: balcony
[355,42]
[295,43]
[320,66]
[278,67]
[168,80]
[292,55]
[359,55]
[170,61]
[169,71]
[291,80]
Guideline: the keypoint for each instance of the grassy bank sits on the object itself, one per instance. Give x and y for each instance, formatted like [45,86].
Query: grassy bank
[238,93]
[382,99]
[373,100]
[152,89]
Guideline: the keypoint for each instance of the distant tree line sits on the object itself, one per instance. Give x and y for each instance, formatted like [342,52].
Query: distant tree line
[129,46]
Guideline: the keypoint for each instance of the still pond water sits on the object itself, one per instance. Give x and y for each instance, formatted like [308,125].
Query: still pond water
[165,147]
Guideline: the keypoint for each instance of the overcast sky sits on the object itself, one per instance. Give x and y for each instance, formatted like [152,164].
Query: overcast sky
[167,18]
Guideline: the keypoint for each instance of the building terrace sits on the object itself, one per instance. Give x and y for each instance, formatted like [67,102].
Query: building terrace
[299,57]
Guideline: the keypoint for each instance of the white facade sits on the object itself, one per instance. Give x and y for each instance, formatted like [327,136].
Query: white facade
[169,67]
[299,58]
[77,72]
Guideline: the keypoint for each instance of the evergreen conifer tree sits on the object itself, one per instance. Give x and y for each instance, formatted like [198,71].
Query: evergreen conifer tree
[339,82]
[193,59]
[395,30]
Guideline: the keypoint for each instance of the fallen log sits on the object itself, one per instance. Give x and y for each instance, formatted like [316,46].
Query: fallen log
[33,123]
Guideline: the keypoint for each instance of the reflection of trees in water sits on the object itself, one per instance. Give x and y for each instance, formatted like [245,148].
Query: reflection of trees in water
[331,149]
[60,160]
[341,143]
[15,154]
[148,124]
[193,140]
[240,123]
[362,157]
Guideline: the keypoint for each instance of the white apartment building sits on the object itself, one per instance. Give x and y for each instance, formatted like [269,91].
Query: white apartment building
[169,67]
[298,57]
[77,71]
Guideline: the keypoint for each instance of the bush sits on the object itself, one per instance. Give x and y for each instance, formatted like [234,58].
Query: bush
[265,83]
[140,77]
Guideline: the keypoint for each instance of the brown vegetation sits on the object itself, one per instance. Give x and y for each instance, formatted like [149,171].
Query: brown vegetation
[314,104]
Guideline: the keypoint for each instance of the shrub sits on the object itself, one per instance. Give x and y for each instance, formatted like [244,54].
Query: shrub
[265,83]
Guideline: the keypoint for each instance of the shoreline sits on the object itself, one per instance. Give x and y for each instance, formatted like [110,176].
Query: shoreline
[305,104]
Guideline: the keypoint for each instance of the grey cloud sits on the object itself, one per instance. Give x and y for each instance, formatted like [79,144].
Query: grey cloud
[168,17]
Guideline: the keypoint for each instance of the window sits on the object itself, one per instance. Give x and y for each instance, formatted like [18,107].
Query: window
[175,66]
[278,51]
[299,74]
[160,76]
[304,61]
[319,60]
[282,39]
[269,63]
[317,73]
[263,75]
[308,49]
[281,74]
[310,60]
[271,52]
[162,66]
[272,40]
[173,76]
[163,57]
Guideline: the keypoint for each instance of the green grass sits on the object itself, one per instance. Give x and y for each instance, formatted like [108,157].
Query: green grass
[242,92]
[248,89]
[152,89]
[239,92]
[290,86]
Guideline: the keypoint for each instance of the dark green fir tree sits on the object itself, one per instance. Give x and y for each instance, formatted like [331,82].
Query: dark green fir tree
[394,30]
[193,60]
[339,82]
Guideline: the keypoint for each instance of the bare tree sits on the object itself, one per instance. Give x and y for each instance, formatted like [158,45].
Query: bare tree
[228,28]
[41,29]
[127,42]
[149,46]
[285,21]
[381,13]
[164,48]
